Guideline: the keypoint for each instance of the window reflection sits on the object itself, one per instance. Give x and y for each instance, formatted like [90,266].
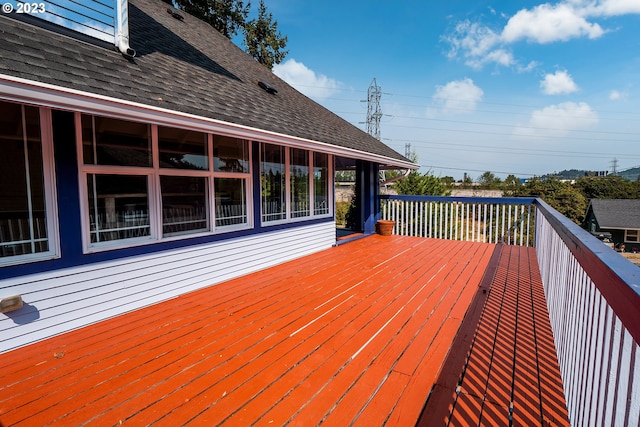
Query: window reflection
[299,181]
[118,207]
[321,183]
[184,204]
[230,154]
[115,142]
[23,219]
[272,169]
[182,149]
[231,202]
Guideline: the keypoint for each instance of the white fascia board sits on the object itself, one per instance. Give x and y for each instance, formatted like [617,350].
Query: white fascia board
[47,95]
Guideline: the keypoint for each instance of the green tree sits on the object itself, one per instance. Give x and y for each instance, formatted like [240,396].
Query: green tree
[345,176]
[560,195]
[226,16]
[489,181]
[448,180]
[421,184]
[262,39]
[608,187]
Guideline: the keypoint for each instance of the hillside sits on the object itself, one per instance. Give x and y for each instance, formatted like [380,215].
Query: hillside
[630,174]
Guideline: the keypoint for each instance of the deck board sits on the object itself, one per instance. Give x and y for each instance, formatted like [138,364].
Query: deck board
[354,334]
[510,375]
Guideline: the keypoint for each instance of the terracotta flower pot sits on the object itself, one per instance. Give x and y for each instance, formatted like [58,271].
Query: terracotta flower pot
[384,227]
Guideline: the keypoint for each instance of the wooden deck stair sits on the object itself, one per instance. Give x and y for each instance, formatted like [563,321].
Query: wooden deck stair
[353,335]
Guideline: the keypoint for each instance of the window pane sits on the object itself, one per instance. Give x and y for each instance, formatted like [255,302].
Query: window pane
[231,201]
[272,169]
[184,204]
[117,142]
[182,149]
[321,183]
[230,154]
[299,176]
[118,207]
[23,228]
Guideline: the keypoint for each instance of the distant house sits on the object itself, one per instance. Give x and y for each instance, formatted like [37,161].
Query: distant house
[152,157]
[619,217]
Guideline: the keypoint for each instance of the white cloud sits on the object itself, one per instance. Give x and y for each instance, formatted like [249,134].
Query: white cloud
[607,7]
[559,120]
[478,44]
[529,67]
[472,39]
[558,83]
[317,86]
[458,96]
[547,23]
[616,95]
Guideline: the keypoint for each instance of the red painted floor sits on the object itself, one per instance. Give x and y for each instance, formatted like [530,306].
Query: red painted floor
[357,334]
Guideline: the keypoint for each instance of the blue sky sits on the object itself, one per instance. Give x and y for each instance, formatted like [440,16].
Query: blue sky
[509,87]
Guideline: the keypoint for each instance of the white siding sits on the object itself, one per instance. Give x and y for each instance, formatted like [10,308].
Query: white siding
[62,300]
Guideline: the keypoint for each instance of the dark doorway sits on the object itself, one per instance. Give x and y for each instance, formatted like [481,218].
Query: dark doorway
[356,189]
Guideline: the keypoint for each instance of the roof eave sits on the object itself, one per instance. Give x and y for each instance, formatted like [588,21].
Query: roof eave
[43,94]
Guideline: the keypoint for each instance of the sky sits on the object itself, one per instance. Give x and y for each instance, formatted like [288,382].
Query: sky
[510,87]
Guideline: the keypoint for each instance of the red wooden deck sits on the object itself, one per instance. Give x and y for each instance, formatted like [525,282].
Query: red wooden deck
[357,334]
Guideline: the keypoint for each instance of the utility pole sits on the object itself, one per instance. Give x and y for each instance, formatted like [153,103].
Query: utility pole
[374,113]
[407,150]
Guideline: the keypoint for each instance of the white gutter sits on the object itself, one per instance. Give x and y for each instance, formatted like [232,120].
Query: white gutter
[121,28]
[397,178]
[42,94]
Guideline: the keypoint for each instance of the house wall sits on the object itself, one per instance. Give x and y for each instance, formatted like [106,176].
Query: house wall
[77,288]
[62,300]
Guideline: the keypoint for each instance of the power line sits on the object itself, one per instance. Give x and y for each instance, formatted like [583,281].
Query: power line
[511,126]
[512,149]
[512,135]
[430,97]
[477,170]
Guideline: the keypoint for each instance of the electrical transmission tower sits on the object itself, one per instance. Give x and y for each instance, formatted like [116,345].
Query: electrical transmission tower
[614,166]
[374,112]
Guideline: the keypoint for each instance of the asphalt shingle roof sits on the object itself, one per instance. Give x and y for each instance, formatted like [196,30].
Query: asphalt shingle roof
[185,66]
[617,213]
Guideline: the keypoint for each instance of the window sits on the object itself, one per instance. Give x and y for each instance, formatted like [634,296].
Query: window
[146,182]
[27,208]
[632,236]
[290,187]
[273,173]
[184,181]
[231,181]
[184,204]
[231,203]
[119,198]
[115,142]
[182,149]
[118,207]
[299,182]
[321,184]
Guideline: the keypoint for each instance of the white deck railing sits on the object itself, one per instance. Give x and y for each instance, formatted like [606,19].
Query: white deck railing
[489,220]
[592,293]
[593,298]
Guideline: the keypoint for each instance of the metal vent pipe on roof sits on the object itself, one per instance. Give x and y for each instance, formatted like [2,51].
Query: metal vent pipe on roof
[122,28]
